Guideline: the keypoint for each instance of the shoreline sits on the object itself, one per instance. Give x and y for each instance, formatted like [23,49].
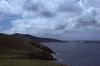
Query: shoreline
[58,60]
[14,49]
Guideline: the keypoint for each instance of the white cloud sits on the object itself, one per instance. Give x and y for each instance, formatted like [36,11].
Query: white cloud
[53,17]
[11,6]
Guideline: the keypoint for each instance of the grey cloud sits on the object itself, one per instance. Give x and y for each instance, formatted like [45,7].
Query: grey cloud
[63,18]
[34,7]
[69,8]
[84,34]
[86,21]
[31,5]
[94,3]
[47,14]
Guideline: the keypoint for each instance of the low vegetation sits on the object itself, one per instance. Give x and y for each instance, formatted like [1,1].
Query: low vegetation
[26,62]
[20,51]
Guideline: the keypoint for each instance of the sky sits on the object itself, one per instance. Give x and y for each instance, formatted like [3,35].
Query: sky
[61,19]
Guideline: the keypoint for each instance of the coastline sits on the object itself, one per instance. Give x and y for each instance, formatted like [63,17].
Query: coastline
[17,50]
[56,55]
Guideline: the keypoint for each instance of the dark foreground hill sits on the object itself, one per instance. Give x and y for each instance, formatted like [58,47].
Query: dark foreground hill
[18,47]
[38,39]
[21,51]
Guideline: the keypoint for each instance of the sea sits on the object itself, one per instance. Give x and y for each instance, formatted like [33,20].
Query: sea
[76,53]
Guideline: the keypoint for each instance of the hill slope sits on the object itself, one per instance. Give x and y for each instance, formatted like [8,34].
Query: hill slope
[19,47]
[21,51]
[38,39]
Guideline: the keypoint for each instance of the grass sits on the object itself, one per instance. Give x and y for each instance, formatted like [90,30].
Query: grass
[19,47]
[15,51]
[25,62]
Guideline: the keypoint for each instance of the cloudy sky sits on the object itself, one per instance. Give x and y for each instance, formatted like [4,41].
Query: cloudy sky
[63,19]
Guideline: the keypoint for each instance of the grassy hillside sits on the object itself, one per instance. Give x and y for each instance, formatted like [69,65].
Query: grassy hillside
[21,62]
[20,51]
[23,48]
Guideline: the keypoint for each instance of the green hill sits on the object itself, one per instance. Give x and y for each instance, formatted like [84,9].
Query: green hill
[20,51]
[23,47]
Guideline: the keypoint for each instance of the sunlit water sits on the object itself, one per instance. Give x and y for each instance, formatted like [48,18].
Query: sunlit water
[77,54]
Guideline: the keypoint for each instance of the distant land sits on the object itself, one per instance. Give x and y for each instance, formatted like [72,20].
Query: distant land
[37,39]
[84,41]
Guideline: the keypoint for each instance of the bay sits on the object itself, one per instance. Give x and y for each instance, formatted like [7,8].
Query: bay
[76,53]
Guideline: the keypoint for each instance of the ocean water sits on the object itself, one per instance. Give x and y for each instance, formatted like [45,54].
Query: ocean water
[77,53]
